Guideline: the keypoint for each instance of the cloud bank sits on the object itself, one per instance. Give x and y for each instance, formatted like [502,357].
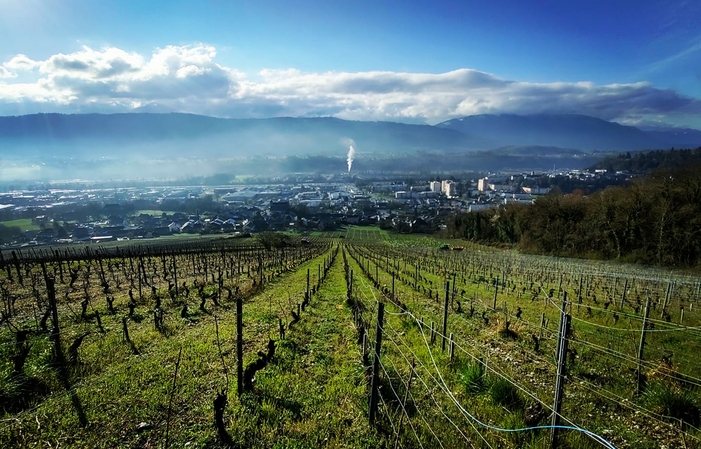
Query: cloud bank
[188,79]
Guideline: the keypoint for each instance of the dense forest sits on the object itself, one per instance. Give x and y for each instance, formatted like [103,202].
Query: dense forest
[647,161]
[654,220]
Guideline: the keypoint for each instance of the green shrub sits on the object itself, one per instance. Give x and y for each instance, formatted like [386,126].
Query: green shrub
[505,394]
[10,387]
[473,378]
[670,400]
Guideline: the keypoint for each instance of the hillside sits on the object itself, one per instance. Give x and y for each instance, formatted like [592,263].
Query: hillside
[174,146]
[181,134]
[176,134]
[283,345]
[567,131]
[648,161]
[676,137]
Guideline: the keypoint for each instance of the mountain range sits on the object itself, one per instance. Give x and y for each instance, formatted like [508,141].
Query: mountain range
[182,135]
[566,131]
[176,134]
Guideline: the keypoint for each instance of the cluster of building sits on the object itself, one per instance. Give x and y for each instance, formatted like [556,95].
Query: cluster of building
[434,189]
[62,216]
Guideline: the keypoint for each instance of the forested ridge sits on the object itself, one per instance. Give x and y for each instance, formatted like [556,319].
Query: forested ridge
[647,161]
[654,220]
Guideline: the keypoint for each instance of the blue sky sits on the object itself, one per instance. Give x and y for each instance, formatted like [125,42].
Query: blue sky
[418,61]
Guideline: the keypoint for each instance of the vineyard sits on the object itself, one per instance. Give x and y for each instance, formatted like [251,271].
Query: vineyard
[359,339]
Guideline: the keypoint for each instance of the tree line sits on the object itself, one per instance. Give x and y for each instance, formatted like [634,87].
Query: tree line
[653,220]
[647,161]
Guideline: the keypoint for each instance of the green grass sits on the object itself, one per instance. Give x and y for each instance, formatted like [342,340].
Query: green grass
[674,402]
[473,377]
[505,394]
[594,370]
[366,234]
[313,393]
[115,389]
[25,224]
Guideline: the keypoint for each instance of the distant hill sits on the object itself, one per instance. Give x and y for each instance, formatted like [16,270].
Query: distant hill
[176,134]
[175,145]
[676,137]
[566,131]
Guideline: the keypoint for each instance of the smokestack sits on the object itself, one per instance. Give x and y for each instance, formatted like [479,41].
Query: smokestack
[351,156]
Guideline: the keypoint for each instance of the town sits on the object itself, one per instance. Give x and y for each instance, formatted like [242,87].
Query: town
[53,215]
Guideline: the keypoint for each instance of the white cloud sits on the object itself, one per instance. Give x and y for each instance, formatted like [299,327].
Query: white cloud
[4,73]
[20,62]
[88,64]
[187,79]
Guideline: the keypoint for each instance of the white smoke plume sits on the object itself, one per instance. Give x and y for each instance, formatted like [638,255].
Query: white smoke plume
[351,156]
[351,151]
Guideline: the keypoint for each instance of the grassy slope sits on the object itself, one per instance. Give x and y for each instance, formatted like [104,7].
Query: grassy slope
[533,371]
[313,393]
[25,224]
[118,389]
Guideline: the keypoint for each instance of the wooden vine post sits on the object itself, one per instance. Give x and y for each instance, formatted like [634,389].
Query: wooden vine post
[56,331]
[376,364]
[639,384]
[565,321]
[445,314]
[623,296]
[406,397]
[496,290]
[239,345]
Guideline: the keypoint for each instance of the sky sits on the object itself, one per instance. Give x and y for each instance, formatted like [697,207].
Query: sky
[634,62]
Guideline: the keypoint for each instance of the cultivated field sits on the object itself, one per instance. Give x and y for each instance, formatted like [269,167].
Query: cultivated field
[25,224]
[370,340]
